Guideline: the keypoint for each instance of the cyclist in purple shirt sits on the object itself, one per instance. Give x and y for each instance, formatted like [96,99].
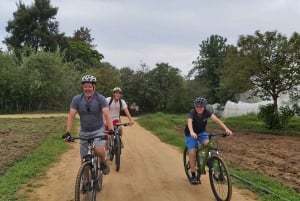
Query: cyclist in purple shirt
[92,107]
[196,125]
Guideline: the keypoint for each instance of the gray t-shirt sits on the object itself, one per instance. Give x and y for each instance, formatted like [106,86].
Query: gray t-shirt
[91,117]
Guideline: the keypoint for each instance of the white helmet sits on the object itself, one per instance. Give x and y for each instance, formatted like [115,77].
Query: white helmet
[88,79]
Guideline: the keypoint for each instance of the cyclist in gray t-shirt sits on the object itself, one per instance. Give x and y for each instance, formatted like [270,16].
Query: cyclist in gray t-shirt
[92,107]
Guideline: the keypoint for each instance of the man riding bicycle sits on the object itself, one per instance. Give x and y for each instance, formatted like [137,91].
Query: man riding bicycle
[92,108]
[196,125]
[116,104]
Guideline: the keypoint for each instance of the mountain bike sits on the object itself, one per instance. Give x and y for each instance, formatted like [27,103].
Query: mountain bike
[90,174]
[219,176]
[114,145]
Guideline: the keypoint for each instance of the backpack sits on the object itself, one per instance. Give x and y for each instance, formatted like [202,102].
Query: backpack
[111,100]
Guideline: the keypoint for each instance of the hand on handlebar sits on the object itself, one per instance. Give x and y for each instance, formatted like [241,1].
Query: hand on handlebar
[67,137]
[110,132]
[228,132]
[194,135]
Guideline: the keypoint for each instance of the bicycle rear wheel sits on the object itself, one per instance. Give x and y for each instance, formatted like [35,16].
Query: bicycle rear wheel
[83,185]
[117,151]
[219,178]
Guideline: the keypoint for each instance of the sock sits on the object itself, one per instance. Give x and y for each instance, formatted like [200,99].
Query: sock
[193,174]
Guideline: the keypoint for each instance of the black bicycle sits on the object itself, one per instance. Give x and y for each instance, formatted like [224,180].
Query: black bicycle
[114,145]
[90,174]
[219,177]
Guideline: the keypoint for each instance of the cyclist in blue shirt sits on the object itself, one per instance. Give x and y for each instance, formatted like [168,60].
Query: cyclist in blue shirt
[93,109]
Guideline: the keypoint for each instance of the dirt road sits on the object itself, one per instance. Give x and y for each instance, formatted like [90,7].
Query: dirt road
[150,171]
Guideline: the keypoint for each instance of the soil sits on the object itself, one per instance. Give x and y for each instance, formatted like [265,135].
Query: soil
[271,155]
[152,170]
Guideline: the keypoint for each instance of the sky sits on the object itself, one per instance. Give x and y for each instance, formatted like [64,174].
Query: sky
[133,32]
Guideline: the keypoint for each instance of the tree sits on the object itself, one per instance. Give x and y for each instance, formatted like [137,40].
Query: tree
[34,27]
[163,80]
[8,75]
[82,55]
[209,63]
[81,51]
[238,68]
[83,34]
[275,67]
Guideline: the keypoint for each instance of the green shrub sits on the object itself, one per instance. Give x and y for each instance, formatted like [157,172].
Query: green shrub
[274,119]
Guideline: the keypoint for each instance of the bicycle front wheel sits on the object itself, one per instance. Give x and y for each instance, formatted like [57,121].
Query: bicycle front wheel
[83,185]
[219,178]
[98,174]
[117,150]
[111,150]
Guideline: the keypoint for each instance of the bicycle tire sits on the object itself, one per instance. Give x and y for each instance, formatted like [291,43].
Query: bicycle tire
[186,166]
[111,150]
[219,178]
[98,174]
[83,190]
[117,150]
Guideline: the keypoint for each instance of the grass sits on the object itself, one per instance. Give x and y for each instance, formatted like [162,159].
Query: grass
[34,163]
[169,128]
[260,184]
[251,122]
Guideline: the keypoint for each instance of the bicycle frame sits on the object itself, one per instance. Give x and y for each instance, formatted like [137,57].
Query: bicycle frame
[206,149]
[91,167]
[115,145]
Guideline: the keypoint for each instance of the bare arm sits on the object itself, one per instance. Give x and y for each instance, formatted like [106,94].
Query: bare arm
[190,126]
[70,120]
[221,124]
[107,118]
[128,115]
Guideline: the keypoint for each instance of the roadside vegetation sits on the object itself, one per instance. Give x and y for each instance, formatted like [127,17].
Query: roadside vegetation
[28,146]
[42,136]
[169,128]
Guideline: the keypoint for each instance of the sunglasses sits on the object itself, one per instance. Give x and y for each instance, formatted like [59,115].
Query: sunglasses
[87,107]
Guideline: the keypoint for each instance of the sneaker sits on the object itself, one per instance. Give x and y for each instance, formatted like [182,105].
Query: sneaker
[105,168]
[194,180]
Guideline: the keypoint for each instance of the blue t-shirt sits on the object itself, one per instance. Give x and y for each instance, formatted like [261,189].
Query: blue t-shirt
[90,113]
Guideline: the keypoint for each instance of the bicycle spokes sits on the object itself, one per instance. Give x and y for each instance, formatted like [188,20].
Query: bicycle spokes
[220,179]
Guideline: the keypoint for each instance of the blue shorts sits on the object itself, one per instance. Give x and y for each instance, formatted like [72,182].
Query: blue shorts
[191,142]
[97,141]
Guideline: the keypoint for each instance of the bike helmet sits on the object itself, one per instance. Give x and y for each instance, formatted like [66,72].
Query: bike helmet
[200,101]
[118,89]
[88,79]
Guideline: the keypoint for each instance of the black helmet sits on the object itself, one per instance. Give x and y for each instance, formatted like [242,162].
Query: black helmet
[88,79]
[200,101]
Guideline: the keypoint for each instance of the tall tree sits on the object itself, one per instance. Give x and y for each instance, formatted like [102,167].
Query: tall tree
[34,27]
[235,74]
[162,81]
[276,63]
[83,34]
[209,62]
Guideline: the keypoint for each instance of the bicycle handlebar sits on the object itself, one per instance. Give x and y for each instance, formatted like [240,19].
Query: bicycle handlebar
[103,137]
[223,134]
[122,124]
